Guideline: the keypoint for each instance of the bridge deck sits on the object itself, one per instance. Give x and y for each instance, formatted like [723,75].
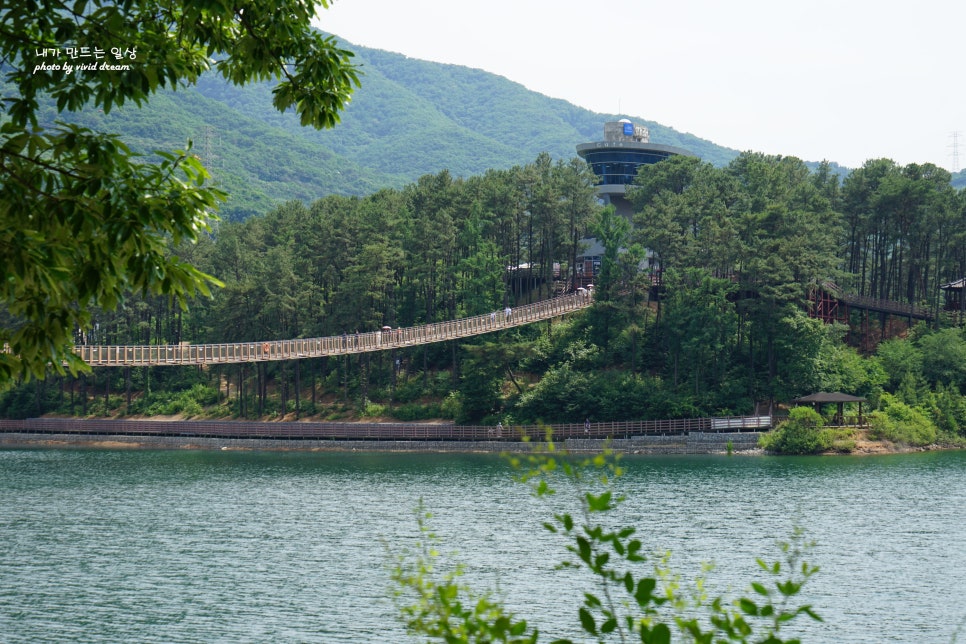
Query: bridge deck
[260,351]
[266,350]
[887,306]
[877,305]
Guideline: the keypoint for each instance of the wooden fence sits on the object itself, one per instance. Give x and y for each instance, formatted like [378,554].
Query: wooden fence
[381,431]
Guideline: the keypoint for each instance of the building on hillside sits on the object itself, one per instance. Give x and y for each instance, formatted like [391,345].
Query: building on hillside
[955,302]
[588,261]
[615,161]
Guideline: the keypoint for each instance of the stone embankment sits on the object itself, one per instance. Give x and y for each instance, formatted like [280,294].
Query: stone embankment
[691,443]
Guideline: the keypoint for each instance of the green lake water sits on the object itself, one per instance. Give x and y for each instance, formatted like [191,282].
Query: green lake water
[222,546]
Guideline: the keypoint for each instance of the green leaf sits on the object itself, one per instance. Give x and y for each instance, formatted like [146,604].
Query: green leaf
[583,549]
[609,625]
[644,593]
[568,522]
[747,606]
[660,634]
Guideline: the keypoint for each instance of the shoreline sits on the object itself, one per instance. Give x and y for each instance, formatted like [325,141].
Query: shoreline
[692,443]
[17,435]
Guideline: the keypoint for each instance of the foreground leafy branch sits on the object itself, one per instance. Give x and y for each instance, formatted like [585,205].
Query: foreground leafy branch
[84,220]
[434,603]
[634,596]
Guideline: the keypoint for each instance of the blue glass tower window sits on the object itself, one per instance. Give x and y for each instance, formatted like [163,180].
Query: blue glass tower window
[614,167]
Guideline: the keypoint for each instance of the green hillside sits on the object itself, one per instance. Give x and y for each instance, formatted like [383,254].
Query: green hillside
[413,117]
[410,118]
[257,162]
[452,108]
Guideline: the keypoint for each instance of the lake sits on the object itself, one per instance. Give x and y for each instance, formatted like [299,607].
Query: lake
[230,546]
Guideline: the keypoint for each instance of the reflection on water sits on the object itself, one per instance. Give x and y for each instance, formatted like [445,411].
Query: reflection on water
[195,546]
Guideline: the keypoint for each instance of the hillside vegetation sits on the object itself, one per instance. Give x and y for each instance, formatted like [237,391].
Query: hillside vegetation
[409,118]
[439,178]
[727,331]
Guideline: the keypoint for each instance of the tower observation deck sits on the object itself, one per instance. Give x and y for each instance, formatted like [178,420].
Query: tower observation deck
[615,160]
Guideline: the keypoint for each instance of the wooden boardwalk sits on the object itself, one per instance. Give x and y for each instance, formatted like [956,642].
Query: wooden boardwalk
[867,303]
[264,350]
[891,307]
[381,431]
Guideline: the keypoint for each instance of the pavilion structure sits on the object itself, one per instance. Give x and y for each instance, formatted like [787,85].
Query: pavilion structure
[955,302]
[818,400]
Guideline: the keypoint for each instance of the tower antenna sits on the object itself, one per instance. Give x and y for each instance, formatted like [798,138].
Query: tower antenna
[209,159]
[955,153]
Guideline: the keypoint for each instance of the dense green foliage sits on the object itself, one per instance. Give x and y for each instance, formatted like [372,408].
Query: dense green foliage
[900,423]
[83,220]
[800,434]
[747,236]
[631,594]
[904,231]
[726,332]
[742,242]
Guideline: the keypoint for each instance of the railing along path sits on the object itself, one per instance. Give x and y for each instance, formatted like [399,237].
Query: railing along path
[875,304]
[238,352]
[887,306]
[382,431]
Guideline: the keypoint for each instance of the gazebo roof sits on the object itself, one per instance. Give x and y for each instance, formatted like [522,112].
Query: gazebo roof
[954,286]
[827,397]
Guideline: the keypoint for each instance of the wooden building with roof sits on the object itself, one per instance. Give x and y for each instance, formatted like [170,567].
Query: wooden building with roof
[818,400]
[954,300]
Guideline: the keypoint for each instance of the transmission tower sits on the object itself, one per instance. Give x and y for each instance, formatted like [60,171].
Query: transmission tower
[209,156]
[208,160]
[955,154]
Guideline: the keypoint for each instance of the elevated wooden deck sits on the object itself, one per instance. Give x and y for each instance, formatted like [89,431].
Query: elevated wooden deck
[263,350]
[832,304]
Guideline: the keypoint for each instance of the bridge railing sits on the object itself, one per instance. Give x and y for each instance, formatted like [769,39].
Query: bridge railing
[888,306]
[381,340]
[876,304]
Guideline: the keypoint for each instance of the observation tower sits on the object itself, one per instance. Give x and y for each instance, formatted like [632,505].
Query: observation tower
[615,160]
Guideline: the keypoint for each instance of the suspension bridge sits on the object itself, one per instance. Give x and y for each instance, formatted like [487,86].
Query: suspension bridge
[832,304]
[829,304]
[381,340]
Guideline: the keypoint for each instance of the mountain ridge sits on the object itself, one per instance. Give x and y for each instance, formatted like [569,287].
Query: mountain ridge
[409,118]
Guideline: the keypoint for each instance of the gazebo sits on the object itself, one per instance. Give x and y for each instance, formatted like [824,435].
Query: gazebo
[826,398]
[954,296]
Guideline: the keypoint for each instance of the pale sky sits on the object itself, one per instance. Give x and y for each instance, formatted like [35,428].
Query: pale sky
[843,80]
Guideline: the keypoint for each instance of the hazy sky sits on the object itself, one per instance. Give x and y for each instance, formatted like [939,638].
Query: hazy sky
[843,80]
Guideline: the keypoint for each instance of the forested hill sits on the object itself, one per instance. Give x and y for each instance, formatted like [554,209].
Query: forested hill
[409,118]
[413,117]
